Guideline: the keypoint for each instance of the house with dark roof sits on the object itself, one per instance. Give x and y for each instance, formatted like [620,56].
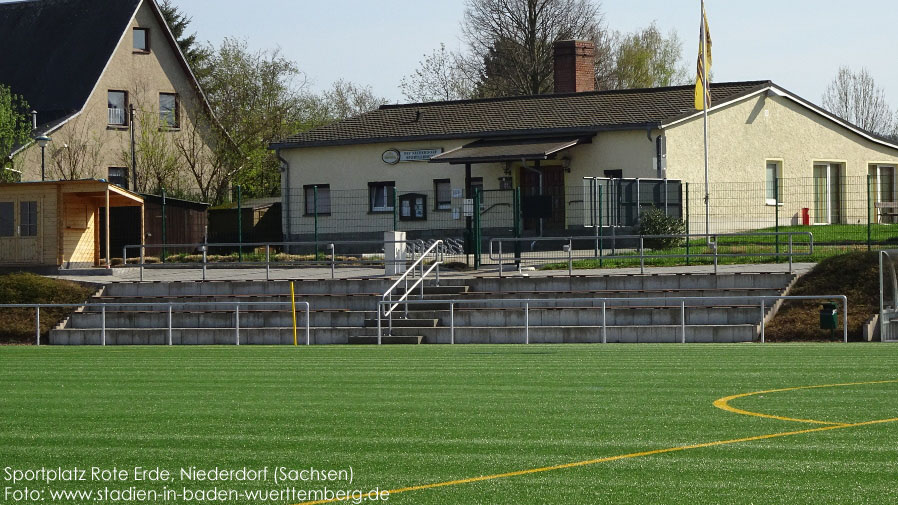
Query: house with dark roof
[550,146]
[101,76]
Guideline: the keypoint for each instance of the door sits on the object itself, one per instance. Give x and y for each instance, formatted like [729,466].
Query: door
[882,188]
[547,193]
[19,234]
[827,193]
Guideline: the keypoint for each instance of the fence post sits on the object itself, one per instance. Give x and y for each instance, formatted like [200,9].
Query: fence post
[103,324]
[395,210]
[601,232]
[517,226]
[37,325]
[776,213]
[682,321]
[714,246]
[239,223]
[333,249]
[790,253]
[500,256]
[570,257]
[315,214]
[869,177]
[169,324]
[477,230]
[687,224]
[451,322]
[237,322]
[527,323]
[267,262]
[604,323]
[204,258]
[641,255]
[164,235]
[762,320]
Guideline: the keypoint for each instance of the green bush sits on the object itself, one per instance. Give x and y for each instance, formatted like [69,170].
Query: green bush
[655,222]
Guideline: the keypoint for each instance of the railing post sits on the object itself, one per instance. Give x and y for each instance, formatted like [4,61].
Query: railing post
[790,253]
[604,323]
[333,249]
[570,257]
[641,254]
[762,320]
[169,324]
[103,324]
[380,305]
[308,323]
[37,325]
[714,245]
[237,322]
[682,321]
[267,262]
[142,253]
[845,319]
[205,252]
[527,323]
[451,322]
[500,257]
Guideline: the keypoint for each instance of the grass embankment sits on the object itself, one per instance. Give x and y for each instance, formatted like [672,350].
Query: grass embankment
[403,416]
[17,325]
[855,275]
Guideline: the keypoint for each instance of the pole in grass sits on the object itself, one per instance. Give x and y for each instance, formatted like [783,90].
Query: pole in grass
[293,305]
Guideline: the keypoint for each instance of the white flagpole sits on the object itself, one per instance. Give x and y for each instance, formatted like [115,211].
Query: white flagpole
[706,93]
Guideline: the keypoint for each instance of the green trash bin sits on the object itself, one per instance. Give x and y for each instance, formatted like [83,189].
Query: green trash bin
[829,316]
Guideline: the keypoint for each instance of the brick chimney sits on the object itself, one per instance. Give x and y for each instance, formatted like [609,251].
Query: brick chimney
[574,66]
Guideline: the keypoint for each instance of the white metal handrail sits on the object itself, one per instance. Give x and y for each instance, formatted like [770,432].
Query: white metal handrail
[169,307]
[682,301]
[641,255]
[437,249]
[205,246]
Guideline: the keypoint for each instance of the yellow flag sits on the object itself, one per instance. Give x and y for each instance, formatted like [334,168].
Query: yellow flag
[702,90]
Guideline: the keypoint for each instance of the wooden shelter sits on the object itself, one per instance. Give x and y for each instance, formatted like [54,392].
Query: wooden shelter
[57,223]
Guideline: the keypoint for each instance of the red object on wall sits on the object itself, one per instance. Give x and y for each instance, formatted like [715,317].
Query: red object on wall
[806,216]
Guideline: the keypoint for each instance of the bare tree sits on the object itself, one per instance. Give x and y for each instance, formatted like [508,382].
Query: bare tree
[510,42]
[439,76]
[855,97]
[75,152]
[209,156]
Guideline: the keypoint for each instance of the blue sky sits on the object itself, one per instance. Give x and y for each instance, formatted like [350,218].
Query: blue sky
[797,44]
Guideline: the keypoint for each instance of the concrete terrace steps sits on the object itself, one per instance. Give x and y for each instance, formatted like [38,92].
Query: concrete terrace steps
[343,311]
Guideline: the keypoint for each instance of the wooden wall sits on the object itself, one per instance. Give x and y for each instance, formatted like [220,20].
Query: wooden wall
[41,249]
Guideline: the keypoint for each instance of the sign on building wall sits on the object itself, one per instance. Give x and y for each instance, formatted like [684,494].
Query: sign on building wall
[394,156]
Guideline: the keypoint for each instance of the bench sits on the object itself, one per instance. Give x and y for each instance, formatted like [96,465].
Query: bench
[886,209]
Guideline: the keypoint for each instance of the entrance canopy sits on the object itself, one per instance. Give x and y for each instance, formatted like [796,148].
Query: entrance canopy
[489,151]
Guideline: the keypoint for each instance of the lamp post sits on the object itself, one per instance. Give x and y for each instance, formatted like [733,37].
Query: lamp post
[42,141]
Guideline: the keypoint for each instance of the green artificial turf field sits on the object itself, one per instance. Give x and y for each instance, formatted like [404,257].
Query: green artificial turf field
[407,416]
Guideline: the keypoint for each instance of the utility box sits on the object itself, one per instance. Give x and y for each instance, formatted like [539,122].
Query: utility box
[394,252]
[829,316]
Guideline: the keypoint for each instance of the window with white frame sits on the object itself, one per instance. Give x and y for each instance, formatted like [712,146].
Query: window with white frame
[381,196]
[318,199]
[117,104]
[773,184]
[442,190]
[168,110]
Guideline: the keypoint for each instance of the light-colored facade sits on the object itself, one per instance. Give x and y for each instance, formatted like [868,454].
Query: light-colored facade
[145,70]
[813,154]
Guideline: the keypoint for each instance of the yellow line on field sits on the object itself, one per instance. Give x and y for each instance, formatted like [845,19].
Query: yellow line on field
[722,403]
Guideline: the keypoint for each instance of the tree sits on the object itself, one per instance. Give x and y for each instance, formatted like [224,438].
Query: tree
[178,22]
[855,97]
[439,76]
[345,100]
[157,160]
[648,59]
[210,157]
[15,127]
[510,42]
[76,151]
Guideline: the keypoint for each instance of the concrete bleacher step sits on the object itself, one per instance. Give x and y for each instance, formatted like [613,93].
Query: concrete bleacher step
[404,323]
[386,339]
[586,334]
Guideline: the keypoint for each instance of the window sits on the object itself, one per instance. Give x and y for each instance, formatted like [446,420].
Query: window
[381,196]
[413,207]
[442,190]
[118,176]
[505,183]
[7,224]
[322,198]
[168,110]
[141,40]
[117,103]
[28,219]
[773,184]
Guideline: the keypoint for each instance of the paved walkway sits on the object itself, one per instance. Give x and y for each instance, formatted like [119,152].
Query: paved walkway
[168,274]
